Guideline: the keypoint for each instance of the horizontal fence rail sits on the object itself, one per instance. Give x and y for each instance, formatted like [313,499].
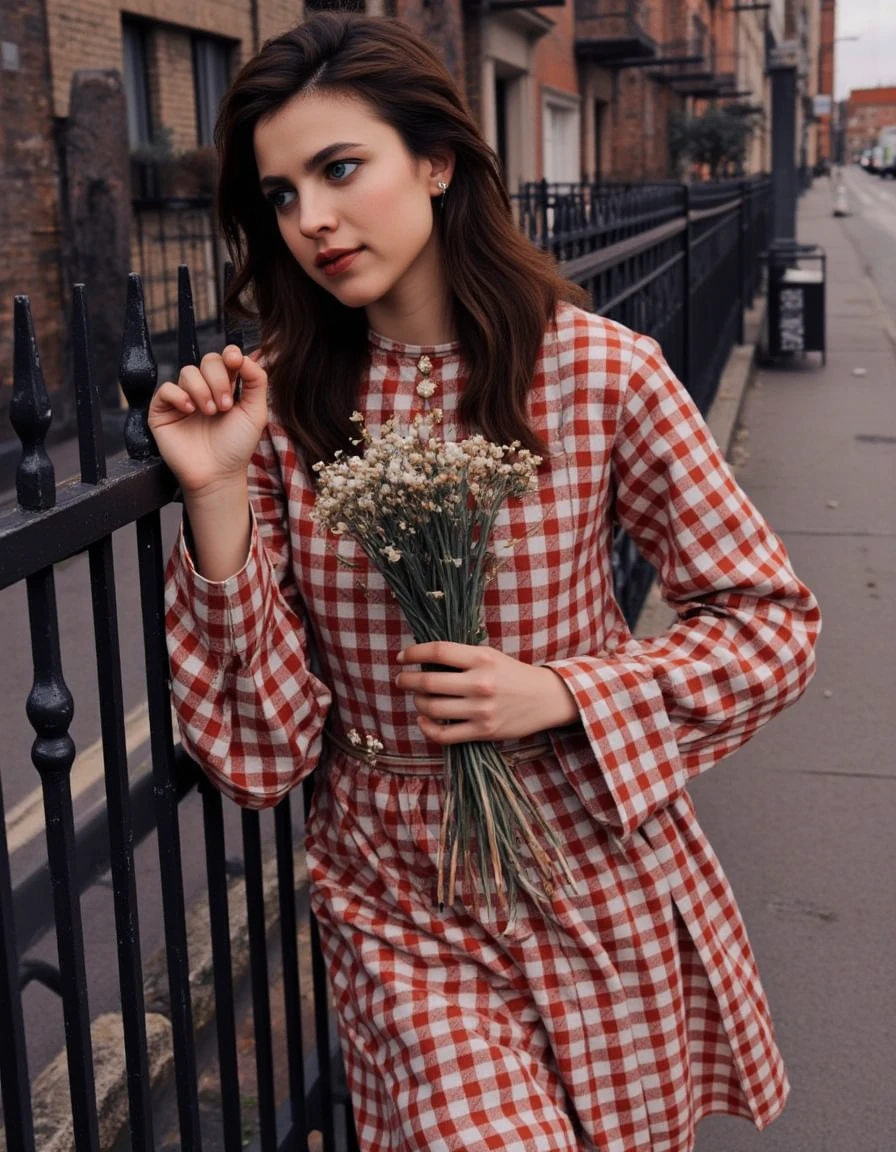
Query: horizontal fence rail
[679,263]
[573,219]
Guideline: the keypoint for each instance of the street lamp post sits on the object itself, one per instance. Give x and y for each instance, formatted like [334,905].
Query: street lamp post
[836,128]
[782,68]
[783,65]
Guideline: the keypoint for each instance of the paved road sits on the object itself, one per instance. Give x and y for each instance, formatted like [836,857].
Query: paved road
[872,227]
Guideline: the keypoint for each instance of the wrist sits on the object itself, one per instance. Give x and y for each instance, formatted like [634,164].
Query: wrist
[220,522]
[557,701]
[222,492]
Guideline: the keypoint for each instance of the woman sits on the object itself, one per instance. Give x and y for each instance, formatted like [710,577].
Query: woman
[372,234]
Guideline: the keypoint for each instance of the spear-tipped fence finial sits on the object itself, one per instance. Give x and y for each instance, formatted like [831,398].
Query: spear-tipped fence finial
[138,373]
[31,415]
[187,342]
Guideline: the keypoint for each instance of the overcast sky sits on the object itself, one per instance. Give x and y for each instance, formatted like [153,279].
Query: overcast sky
[870,61]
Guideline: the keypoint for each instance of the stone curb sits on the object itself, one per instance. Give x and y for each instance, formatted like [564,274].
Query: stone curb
[50,1092]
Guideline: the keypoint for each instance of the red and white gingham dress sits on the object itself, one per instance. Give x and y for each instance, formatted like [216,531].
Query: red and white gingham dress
[633,1006]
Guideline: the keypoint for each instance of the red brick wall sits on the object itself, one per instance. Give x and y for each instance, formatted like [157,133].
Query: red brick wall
[442,25]
[868,110]
[826,49]
[87,33]
[555,61]
[555,67]
[30,235]
[639,116]
[639,127]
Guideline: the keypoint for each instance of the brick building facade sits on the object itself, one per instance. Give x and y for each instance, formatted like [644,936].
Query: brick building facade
[867,111]
[565,90]
[174,57]
[826,61]
[30,225]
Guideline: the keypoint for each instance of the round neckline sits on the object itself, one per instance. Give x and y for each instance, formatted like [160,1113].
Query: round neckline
[385,344]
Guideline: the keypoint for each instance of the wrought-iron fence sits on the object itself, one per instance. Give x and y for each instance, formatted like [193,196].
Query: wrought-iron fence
[679,263]
[574,219]
[170,232]
[48,526]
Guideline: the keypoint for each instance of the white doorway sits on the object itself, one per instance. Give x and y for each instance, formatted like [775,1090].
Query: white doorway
[561,138]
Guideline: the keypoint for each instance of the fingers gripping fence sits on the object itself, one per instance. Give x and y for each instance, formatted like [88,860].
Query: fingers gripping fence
[51,524]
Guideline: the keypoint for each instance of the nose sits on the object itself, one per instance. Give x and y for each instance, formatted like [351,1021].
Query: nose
[316,213]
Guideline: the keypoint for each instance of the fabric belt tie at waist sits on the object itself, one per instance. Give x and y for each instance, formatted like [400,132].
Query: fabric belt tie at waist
[514,754]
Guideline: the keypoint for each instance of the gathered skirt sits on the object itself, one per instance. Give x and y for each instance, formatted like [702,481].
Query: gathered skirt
[588,1025]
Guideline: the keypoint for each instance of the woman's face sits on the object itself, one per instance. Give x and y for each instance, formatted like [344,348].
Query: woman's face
[354,207]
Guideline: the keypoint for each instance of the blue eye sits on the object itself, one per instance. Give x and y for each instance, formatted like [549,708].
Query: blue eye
[282,198]
[341,169]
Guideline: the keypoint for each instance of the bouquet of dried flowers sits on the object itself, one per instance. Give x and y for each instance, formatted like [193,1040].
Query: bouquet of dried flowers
[422,509]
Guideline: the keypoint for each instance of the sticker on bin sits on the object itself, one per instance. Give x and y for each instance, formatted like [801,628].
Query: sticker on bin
[802,276]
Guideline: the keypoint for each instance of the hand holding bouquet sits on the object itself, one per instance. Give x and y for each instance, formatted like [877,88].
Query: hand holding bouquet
[422,510]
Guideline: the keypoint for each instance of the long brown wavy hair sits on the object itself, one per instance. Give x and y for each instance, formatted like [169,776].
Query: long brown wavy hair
[504,290]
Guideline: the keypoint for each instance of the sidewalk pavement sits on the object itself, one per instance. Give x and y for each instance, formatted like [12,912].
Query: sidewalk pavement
[802,816]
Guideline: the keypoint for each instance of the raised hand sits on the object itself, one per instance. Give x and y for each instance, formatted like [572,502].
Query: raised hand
[204,435]
[207,438]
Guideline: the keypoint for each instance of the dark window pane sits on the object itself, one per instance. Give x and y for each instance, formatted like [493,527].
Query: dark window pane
[136,87]
[211,70]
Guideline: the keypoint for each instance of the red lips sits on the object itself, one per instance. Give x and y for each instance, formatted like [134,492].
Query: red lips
[331,256]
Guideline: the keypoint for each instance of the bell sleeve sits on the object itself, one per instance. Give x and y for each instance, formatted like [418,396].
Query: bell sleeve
[656,712]
[249,708]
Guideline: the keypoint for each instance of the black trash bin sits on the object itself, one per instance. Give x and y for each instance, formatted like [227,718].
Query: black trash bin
[796,300]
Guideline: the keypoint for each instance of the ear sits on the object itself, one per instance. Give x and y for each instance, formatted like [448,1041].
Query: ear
[441,170]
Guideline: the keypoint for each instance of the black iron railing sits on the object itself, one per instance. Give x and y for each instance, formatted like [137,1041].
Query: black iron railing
[574,219]
[680,263]
[169,232]
[50,525]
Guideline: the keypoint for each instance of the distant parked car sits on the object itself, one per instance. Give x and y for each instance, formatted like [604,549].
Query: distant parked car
[865,158]
[886,143]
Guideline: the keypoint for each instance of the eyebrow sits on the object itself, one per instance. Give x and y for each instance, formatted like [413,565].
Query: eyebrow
[318,160]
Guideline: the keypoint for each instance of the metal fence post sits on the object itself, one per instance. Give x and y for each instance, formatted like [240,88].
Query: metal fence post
[687,352]
[14,1080]
[742,260]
